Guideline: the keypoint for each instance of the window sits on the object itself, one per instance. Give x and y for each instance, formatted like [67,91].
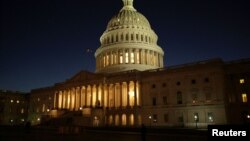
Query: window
[179,97]
[111,59]
[180,119]
[107,60]
[104,61]
[117,38]
[164,98]
[193,81]
[124,119]
[208,95]
[242,81]
[138,58]
[112,39]
[194,97]
[206,80]
[132,37]
[210,117]
[178,83]
[121,37]
[22,110]
[164,85]
[132,57]
[244,97]
[126,57]
[155,118]
[110,120]
[166,118]
[121,57]
[126,37]
[154,101]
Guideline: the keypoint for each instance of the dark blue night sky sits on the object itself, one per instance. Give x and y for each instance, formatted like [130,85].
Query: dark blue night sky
[46,41]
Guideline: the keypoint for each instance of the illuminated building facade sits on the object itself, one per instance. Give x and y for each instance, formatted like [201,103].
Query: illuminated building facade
[131,86]
[13,107]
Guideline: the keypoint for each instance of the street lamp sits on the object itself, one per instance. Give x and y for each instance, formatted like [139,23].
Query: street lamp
[196,119]
[150,119]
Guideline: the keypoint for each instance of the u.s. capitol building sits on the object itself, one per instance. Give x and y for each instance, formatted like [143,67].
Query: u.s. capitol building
[131,86]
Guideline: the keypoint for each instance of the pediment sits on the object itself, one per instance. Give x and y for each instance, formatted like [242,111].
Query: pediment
[83,76]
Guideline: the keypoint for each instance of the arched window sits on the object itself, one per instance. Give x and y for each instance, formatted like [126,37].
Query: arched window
[124,120]
[107,40]
[112,39]
[116,120]
[179,97]
[117,37]
[127,38]
[131,120]
[110,120]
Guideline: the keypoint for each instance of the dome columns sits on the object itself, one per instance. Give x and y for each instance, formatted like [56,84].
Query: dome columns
[129,57]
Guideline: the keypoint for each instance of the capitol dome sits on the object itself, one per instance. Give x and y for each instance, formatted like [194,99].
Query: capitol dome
[128,43]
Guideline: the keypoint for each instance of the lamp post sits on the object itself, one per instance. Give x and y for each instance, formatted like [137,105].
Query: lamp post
[150,119]
[196,118]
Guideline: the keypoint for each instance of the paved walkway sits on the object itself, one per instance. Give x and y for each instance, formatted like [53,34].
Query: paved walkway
[54,134]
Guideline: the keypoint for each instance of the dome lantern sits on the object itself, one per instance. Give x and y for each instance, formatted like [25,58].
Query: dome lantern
[128,5]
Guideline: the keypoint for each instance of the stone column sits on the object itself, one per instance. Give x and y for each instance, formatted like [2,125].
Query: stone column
[55,100]
[62,99]
[120,94]
[59,102]
[97,95]
[146,57]
[136,53]
[76,101]
[65,99]
[80,97]
[124,56]
[86,95]
[142,56]
[108,88]
[128,101]
[114,92]
[162,61]
[129,55]
[102,95]
[68,102]
[135,92]
[117,57]
[91,97]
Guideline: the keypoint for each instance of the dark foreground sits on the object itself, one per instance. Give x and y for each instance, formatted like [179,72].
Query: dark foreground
[8,133]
